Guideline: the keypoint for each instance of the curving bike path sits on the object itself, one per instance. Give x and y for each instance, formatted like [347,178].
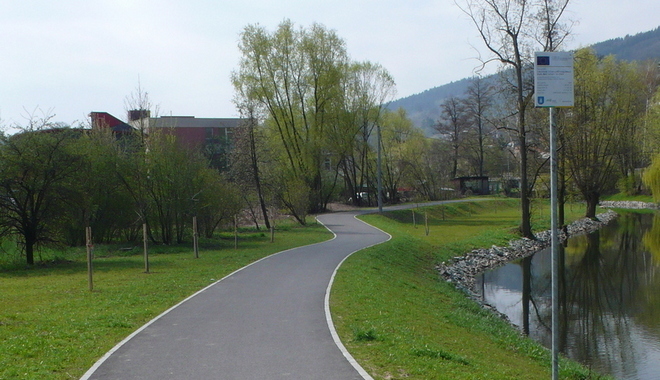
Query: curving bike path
[269,320]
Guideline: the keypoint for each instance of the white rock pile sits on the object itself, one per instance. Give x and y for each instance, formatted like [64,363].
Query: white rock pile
[462,270]
[629,204]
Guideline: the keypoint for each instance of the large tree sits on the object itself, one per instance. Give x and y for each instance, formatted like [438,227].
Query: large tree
[403,149]
[366,90]
[453,126]
[293,75]
[37,166]
[511,31]
[602,125]
[247,162]
[478,103]
[318,107]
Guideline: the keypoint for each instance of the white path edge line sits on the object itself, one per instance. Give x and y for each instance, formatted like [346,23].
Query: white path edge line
[328,316]
[105,357]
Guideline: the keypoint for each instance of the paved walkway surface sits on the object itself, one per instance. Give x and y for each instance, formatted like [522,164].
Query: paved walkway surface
[265,321]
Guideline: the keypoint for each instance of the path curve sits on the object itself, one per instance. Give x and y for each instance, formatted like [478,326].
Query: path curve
[268,320]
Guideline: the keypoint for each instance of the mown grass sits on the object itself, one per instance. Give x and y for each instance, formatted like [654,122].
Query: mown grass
[53,327]
[400,321]
[624,197]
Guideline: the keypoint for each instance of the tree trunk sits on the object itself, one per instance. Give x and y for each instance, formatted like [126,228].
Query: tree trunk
[29,234]
[257,178]
[592,200]
[525,224]
[29,252]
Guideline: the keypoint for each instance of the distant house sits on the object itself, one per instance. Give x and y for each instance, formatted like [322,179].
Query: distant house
[477,185]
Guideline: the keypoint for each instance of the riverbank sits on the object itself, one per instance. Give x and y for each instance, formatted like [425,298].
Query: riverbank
[462,270]
[400,320]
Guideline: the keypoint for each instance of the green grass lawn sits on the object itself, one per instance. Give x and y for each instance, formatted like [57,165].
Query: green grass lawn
[401,321]
[393,313]
[53,327]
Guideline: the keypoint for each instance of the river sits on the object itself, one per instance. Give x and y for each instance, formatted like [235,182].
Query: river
[609,297]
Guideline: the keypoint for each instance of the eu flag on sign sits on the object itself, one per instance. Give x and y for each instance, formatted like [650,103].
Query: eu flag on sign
[543,61]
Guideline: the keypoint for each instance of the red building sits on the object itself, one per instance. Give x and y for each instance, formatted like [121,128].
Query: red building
[190,131]
[102,120]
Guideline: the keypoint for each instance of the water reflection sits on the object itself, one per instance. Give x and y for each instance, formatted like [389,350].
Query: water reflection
[609,297]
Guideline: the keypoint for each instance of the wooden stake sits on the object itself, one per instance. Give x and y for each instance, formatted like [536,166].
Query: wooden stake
[195,238]
[426,223]
[90,247]
[146,252]
[235,231]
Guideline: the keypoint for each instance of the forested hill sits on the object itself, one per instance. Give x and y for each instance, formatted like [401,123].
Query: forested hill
[424,108]
[639,47]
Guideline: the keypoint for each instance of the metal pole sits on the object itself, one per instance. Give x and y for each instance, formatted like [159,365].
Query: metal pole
[555,246]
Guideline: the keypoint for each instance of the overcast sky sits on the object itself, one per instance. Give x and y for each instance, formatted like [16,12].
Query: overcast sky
[72,57]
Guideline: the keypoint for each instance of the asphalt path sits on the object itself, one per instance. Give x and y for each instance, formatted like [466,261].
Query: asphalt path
[269,320]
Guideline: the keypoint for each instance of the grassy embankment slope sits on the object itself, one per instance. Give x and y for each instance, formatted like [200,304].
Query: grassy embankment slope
[400,321]
[53,327]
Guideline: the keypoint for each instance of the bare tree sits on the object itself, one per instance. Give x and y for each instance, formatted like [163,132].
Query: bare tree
[453,125]
[477,104]
[245,165]
[511,30]
[138,106]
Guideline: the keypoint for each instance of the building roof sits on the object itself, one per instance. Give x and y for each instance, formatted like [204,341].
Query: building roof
[193,122]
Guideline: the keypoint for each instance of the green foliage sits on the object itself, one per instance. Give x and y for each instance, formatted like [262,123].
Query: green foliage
[54,182]
[319,107]
[37,169]
[602,133]
[652,178]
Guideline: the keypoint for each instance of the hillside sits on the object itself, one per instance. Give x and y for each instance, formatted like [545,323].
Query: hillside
[424,108]
[639,47]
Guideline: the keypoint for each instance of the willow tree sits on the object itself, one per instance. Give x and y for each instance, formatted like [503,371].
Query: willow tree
[298,82]
[292,75]
[511,31]
[601,126]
